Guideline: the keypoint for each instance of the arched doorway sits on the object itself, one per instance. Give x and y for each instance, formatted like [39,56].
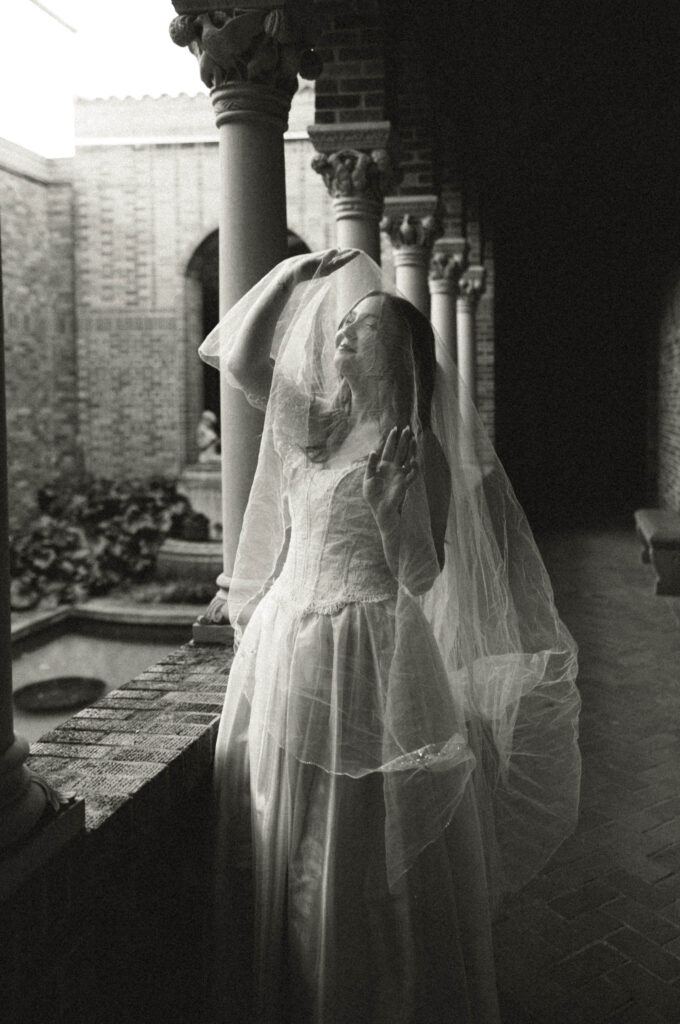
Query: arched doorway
[202,306]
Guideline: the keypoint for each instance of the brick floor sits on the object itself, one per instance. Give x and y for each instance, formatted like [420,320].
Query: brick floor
[596,937]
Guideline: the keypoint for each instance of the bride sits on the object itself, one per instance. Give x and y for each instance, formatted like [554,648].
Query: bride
[398,742]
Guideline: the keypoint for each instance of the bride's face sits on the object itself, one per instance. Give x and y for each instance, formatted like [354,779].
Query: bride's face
[358,352]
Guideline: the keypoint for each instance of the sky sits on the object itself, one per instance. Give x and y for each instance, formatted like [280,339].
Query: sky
[115,50]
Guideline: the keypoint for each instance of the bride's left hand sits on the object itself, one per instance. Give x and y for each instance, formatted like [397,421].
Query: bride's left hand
[389,474]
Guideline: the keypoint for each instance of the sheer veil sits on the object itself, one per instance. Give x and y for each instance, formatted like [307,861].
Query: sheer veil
[496,705]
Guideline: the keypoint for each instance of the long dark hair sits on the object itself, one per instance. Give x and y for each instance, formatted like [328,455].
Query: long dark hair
[408,342]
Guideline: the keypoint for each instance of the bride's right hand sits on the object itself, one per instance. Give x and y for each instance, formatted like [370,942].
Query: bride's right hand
[316,264]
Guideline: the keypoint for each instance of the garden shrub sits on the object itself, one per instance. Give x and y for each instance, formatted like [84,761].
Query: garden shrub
[92,535]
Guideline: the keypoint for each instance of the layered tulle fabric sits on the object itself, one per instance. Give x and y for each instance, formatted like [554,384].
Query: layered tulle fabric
[390,731]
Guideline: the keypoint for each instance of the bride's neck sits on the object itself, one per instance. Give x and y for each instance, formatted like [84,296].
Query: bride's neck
[363,409]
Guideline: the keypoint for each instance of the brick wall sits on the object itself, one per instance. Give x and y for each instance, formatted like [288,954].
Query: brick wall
[352,85]
[668,401]
[142,210]
[36,205]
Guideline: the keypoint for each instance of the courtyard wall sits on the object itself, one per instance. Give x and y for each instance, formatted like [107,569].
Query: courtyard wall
[146,181]
[36,204]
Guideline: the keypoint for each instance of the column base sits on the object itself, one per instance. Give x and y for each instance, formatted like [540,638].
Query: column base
[41,846]
[212,626]
[212,633]
[24,796]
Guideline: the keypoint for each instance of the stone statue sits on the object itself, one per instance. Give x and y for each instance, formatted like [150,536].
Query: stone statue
[207,438]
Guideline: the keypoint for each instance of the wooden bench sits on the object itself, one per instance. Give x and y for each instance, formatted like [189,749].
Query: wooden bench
[659,531]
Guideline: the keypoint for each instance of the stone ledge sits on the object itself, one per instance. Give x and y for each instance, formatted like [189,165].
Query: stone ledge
[114,921]
[155,732]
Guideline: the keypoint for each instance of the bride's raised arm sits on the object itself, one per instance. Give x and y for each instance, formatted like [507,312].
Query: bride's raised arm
[248,359]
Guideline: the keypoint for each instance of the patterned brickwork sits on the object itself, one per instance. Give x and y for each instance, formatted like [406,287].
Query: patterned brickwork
[668,403]
[36,201]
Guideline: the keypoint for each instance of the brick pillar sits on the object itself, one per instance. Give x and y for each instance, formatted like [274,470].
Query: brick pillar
[355,163]
[412,225]
[249,58]
[448,262]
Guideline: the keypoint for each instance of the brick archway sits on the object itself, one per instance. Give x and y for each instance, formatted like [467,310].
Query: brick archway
[202,313]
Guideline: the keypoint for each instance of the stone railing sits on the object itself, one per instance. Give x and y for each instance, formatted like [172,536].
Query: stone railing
[116,925]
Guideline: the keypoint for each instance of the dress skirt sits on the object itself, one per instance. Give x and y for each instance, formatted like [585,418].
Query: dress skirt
[311,925]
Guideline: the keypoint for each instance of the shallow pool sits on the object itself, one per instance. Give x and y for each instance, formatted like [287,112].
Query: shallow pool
[110,658]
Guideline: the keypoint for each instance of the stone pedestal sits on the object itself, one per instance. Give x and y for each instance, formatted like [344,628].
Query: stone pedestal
[194,560]
[197,560]
[412,225]
[355,163]
[201,484]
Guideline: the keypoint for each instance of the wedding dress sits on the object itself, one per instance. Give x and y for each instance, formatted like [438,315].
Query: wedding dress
[311,678]
[397,749]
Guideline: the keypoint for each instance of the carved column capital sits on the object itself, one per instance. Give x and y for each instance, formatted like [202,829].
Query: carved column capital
[448,263]
[248,55]
[412,223]
[471,286]
[355,162]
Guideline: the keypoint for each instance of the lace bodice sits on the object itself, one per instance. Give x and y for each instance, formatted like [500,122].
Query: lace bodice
[335,556]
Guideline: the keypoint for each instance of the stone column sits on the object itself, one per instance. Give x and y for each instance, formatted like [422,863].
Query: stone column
[470,288]
[448,262]
[412,225]
[355,163]
[249,58]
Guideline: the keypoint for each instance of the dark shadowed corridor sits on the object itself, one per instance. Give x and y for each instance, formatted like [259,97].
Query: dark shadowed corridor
[597,937]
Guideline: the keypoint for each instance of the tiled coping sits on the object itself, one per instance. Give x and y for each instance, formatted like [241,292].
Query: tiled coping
[152,735]
[110,920]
